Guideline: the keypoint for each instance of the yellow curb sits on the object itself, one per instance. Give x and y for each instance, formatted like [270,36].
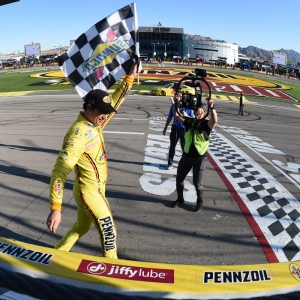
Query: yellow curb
[213,96]
[10,94]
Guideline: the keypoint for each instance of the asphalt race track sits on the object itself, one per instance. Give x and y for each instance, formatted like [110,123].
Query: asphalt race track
[140,190]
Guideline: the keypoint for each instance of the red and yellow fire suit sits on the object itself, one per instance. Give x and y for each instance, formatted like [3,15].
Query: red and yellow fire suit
[84,150]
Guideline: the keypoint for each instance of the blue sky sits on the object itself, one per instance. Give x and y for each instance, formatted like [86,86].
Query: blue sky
[267,24]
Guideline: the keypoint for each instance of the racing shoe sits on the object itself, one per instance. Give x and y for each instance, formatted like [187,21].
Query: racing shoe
[199,204]
[178,202]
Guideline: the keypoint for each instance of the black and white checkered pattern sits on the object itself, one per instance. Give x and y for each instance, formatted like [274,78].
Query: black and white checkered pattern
[121,25]
[274,209]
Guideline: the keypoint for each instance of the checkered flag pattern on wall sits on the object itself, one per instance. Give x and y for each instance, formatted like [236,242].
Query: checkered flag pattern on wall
[104,53]
[272,208]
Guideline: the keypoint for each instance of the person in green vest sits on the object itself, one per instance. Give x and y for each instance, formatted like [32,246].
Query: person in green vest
[242,100]
[197,134]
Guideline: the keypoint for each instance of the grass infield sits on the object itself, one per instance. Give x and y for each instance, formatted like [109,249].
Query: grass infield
[19,81]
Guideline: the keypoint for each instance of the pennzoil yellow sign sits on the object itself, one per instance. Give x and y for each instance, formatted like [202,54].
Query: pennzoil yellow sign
[125,276]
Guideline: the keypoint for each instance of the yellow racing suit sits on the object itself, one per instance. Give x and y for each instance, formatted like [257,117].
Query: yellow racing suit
[84,150]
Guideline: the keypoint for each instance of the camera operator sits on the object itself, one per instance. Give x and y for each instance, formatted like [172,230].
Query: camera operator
[177,130]
[194,155]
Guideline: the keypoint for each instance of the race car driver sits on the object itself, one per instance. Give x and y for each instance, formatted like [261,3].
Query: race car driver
[84,150]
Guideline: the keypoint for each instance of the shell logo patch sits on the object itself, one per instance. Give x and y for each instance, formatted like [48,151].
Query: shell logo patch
[295,271]
[106,99]
[57,187]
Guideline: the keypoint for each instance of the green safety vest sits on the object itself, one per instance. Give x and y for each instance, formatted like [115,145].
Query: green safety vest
[197,138]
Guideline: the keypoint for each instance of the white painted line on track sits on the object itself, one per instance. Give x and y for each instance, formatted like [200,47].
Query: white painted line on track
[120,132]
[243,137]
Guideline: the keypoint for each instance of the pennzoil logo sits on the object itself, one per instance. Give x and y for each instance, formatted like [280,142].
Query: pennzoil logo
[295,271]
[126,272]
[26,254]
[104,54]
[236,276]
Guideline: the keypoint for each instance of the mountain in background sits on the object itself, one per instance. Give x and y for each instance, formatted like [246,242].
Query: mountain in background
[250,51]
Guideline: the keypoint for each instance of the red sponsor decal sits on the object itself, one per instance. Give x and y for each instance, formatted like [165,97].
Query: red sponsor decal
[126,272]
[89,147]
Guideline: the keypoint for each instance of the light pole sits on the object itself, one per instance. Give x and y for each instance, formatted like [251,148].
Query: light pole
[234,54]
[189,50]
[154,53]
[188,55]
[165,49]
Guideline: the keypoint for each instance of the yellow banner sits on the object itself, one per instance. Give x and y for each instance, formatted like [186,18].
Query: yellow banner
[233,280]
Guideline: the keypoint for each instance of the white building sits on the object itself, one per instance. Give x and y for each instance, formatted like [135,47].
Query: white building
[210,51]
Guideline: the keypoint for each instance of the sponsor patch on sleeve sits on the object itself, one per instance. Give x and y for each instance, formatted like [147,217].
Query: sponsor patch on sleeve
[58,187]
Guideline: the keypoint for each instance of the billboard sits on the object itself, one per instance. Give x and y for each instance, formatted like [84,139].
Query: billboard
[32,49]
[279,58]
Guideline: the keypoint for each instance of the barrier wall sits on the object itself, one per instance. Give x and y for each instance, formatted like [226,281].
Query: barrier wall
[150,279]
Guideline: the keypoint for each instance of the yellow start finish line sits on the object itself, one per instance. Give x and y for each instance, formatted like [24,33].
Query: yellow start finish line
[150,279]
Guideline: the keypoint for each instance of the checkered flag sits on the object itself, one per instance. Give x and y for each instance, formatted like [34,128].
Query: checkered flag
[103,54]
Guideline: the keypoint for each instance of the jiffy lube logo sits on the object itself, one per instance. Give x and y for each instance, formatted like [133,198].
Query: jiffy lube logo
[126,272]
[295,271]
[104,54]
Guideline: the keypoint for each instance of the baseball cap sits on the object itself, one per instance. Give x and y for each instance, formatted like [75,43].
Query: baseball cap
[101,100]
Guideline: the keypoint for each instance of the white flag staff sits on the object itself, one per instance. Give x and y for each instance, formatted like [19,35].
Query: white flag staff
[103,54]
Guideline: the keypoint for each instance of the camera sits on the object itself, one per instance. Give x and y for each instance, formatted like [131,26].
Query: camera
[191,101]
[195,80]
[200,72]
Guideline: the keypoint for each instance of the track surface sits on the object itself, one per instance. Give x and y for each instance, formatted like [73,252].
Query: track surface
[32,129]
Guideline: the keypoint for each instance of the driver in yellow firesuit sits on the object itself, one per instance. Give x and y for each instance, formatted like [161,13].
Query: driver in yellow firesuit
[84,150]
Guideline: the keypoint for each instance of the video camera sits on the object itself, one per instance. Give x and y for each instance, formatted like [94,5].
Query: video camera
[195,80]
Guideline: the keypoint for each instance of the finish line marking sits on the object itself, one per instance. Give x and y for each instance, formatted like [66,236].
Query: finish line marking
[272,212]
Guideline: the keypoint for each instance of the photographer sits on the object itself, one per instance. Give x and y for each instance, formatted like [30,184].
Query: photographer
[177,130]
[194,155]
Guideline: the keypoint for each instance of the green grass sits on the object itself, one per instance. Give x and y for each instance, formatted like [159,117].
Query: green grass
[295,87]
[21,81]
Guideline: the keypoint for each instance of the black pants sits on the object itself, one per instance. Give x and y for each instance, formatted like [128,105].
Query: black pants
[241,110]
[176,134]
[184,167]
